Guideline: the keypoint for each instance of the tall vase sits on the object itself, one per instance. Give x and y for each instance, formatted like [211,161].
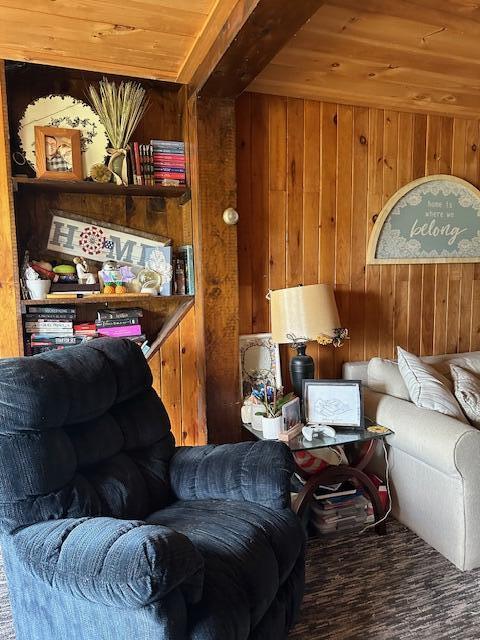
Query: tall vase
[118,165]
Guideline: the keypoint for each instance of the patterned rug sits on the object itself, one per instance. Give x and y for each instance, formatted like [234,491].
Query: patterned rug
[394,587]
[381,588]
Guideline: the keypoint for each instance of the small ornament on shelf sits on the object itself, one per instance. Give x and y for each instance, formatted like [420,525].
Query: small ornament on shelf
[84,274]
[115,277]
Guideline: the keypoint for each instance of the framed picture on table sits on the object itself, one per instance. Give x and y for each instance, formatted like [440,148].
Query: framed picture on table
[259,361]
[336,403]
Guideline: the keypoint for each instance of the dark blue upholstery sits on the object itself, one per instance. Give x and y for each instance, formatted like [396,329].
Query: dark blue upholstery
[110,533]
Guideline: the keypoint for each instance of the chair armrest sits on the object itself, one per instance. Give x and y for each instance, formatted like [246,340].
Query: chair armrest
[254,471]
[440,441]
[120,563]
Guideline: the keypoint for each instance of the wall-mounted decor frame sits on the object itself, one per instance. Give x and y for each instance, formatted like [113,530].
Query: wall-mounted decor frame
[432,219]
[74,235]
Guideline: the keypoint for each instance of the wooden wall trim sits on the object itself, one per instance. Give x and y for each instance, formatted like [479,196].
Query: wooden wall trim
[214,189]
[11,342]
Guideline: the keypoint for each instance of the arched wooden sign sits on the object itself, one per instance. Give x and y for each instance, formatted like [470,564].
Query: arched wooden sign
[432,219]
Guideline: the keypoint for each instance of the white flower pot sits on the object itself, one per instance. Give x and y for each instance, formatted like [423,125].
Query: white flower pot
[256,420]
[38,289]
[272,427]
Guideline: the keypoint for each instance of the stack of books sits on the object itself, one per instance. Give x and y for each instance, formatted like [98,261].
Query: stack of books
[121,323]
[86,330]
[142,164]
[341,510]
[169,163]
[50,328]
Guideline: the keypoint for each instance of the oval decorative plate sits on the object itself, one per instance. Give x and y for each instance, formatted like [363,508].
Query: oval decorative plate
[68,112]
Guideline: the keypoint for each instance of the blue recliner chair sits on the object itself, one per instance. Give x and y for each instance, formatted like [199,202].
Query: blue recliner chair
[110,533]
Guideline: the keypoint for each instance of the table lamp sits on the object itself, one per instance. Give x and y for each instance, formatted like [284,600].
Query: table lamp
[302,314]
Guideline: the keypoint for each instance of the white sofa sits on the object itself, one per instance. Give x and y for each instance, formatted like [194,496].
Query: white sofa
[434,462]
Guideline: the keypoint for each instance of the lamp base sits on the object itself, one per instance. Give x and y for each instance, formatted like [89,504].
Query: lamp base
[302,367]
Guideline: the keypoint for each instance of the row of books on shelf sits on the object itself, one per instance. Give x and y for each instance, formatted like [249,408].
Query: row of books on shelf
[51,328]
[341,507]
[159,163]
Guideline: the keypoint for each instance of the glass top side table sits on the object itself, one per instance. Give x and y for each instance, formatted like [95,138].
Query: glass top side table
[335,474]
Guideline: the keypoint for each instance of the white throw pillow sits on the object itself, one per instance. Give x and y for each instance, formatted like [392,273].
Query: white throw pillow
[427,388]
[467,392]
[385,377]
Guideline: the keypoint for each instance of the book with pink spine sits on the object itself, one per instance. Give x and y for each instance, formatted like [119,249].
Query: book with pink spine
[120,332]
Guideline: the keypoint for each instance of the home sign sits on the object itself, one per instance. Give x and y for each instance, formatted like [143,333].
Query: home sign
[74,235]
[432,219]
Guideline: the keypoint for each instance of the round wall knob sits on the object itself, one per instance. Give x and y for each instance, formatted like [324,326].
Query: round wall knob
[230,216]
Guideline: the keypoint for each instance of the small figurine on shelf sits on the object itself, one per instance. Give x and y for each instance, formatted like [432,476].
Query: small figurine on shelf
[83,273]
[115,278]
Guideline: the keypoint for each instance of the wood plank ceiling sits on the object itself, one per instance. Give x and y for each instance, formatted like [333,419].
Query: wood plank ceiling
[414,55]
[160,39]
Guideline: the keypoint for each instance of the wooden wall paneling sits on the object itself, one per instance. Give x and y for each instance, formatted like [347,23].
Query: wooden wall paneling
[311,202]
[424,308]
[328,216]
[191,402]
[11,341]
[344,224]
[404,175]
[459,142]
[361,140]
[387,272]
[374,206]
[155,367]
[244,200]
[295,146]
[415,271]
[259,203]
[171,382]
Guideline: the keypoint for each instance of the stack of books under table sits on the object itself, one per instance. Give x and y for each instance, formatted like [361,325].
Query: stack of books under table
[341,510]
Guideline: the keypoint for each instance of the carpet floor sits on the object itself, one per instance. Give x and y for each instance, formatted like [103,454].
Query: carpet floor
[381,588]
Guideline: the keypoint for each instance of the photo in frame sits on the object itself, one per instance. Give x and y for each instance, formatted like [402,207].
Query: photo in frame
[259,361]
[291,413]
[336,403]
[58,153]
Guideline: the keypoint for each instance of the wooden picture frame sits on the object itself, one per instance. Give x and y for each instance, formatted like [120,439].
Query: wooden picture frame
[58,153]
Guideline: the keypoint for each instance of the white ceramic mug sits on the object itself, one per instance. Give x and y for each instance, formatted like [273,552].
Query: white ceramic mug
[38,289]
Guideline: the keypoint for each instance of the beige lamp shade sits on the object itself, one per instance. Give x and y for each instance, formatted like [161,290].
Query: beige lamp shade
[304,312]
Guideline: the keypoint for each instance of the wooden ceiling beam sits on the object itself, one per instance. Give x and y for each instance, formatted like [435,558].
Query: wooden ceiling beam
[250,39]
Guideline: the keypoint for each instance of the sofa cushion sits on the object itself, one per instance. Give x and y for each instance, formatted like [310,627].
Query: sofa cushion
[467,392]
[246,559]
[384,377]
[427,387]
[469,361]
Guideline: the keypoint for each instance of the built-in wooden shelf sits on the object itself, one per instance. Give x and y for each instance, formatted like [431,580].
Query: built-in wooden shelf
[99,188]
[113,299]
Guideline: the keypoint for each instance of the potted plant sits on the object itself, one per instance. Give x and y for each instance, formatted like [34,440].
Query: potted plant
[272,402]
